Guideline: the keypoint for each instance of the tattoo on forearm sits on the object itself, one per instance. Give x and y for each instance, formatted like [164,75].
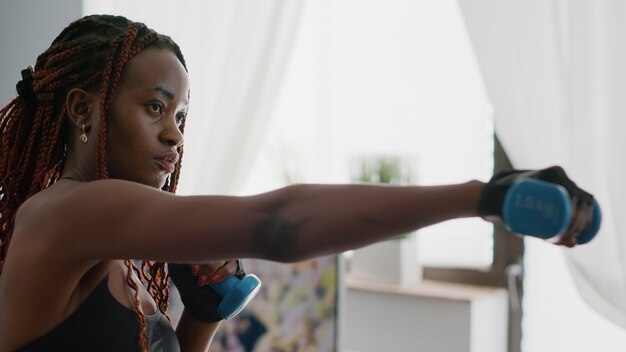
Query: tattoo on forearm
[277,237]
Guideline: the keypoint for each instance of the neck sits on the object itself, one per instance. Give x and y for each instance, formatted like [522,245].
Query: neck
[79,167]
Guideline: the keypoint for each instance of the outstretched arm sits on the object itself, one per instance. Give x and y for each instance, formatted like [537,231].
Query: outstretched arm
[111,219]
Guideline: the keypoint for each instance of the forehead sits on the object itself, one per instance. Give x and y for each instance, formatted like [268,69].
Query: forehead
[155,68]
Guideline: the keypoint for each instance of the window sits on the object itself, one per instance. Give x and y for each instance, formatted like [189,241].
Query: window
[396,79]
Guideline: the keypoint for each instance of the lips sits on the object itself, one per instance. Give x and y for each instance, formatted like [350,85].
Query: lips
[167,161]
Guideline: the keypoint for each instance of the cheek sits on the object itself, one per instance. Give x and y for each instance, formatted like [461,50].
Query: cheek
[120,148]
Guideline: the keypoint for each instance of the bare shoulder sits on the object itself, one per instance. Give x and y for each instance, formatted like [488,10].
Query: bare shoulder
[61,203]
[42,284]
[47,221]
[117,219]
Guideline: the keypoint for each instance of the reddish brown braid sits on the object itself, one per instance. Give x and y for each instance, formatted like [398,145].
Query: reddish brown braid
[89,54]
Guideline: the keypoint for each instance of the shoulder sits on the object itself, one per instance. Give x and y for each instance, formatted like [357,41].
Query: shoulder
[58,201]
[56,210]
[92,220]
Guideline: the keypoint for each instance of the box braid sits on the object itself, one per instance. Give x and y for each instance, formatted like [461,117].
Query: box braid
[89,54]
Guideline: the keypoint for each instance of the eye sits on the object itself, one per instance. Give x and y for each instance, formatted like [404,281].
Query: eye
[155,107]
[180,117]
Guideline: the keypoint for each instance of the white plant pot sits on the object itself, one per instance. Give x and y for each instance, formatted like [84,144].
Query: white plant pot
[393,261]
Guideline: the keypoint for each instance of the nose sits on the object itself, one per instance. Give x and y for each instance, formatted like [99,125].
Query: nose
[171,135]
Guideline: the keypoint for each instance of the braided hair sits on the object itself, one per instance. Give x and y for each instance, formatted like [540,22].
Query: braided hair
[89,54]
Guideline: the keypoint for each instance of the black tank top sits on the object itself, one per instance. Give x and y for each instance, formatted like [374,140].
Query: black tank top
[102,323]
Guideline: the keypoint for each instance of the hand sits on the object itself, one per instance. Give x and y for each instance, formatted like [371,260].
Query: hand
[213,272]
[492,196]
[490,206]
[583,213]
[200,300]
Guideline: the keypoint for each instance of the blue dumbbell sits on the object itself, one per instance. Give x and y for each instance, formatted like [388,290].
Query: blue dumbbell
[236,293]
[543,209]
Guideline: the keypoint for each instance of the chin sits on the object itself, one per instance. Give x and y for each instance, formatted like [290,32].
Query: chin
[158,182]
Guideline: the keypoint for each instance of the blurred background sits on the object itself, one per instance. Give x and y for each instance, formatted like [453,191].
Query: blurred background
[398,92]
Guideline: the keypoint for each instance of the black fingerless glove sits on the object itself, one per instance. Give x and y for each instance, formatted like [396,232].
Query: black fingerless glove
[200,301]
[493,194]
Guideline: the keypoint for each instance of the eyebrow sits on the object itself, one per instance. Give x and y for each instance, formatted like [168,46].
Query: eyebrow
[165,92]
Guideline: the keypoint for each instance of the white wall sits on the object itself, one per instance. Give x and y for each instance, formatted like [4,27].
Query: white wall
[27,28]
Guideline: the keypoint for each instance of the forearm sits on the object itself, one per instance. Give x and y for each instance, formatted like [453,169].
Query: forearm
[194,335]
[322,219]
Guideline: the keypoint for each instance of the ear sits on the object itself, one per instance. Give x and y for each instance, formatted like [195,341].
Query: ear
[82,107]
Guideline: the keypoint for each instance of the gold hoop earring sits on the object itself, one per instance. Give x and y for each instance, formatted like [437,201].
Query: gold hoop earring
[83,137]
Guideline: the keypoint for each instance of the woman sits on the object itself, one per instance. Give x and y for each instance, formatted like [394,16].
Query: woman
[91,154]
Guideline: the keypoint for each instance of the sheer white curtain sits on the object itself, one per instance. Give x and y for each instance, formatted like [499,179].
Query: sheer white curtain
[555,73]
[236,53]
